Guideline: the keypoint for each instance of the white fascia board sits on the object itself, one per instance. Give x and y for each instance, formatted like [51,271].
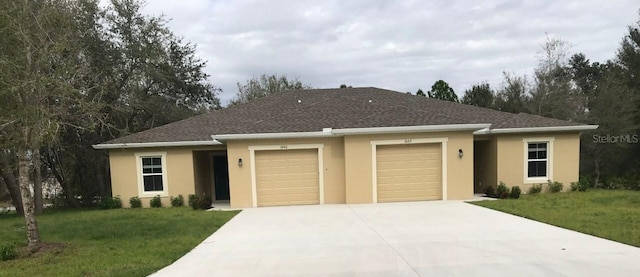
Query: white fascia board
[156,144]
[411,129]
[325,133]
[536,129]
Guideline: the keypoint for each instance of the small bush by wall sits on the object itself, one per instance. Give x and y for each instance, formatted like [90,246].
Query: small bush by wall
[554,187]
[580,185]
[502,191]
[110,203]
[201,202]
[155,202]
[515,192]
[489,191]
[177,201]
[135,202]
[535,189]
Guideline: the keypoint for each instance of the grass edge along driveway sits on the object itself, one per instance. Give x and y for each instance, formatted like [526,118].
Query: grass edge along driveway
[120,242]
[609,214]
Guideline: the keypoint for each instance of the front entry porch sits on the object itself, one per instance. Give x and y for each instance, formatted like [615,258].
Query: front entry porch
[211,175]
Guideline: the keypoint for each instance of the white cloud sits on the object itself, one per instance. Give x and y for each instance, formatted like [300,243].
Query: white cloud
[400,45]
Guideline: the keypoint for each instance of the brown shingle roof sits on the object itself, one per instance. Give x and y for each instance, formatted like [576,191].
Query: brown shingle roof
[313,110]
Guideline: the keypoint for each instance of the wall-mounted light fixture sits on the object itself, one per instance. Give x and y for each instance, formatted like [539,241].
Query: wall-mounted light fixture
[460,153]
[240,162]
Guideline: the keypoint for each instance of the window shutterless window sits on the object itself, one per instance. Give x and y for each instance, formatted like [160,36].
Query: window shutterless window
[152,174]
[537,159]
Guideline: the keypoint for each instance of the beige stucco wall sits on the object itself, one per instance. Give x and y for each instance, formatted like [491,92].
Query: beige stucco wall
[179,172]
[511,158]
[359,170]
[240,176]
[485,165]
[347,163]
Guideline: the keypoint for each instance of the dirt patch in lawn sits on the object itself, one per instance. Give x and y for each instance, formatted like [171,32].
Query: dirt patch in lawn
[45,248]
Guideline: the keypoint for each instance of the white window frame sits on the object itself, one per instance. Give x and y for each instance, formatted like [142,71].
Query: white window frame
[284,147]
[165,184]
[374,157]
[538,180]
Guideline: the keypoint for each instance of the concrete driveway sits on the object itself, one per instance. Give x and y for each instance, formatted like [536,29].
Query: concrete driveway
[437,238]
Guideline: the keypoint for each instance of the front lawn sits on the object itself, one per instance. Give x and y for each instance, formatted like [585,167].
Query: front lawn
[121,242]
[610,214]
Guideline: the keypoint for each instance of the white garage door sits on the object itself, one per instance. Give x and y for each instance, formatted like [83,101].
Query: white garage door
[409,172]
[287,177]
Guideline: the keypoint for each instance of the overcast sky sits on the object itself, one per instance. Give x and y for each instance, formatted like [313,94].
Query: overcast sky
[398,45]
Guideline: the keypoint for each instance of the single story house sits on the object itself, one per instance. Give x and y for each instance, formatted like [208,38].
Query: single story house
[350,145]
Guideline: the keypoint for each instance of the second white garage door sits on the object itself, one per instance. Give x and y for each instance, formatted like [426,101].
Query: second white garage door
[409,172]
[287,177]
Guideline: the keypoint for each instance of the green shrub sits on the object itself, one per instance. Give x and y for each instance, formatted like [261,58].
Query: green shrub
[579,186]
[575,186]
[635,184]
[8,252]
[490,191]
[135,202]
[554,187]
[515,192]
[199,202]
[177,201]
[586,181]
[535,189]
[193,201]
[107,203]
[502,190]
[156,202]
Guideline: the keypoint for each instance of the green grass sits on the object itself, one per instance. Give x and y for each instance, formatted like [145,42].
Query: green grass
[610,214]
[121,242]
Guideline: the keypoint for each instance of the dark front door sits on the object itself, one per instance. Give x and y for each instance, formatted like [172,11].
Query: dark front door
[221,175]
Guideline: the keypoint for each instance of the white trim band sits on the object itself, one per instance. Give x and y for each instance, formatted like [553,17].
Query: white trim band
[535,129]
[156,144]
[410,129]
[325,133]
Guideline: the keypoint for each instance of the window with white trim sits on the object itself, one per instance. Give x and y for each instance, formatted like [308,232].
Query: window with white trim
[152,174]
[151,168]
[537,159]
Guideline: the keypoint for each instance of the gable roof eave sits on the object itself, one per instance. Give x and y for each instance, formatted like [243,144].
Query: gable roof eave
[328,132]
[488,131]
[155,144]
[412,129]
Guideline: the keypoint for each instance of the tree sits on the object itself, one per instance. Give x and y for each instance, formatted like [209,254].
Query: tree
[553,93]
[258,87]
[345,86]
[41,66]
[75,73]
[420,93]
[628,56]
[8,176]
[513,95]
[586,77]
[143,75]
[614,110]
[479,95]
[441,90]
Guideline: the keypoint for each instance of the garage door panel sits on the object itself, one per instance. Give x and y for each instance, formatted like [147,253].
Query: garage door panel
[287,177]
[409,172]
[420,179]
